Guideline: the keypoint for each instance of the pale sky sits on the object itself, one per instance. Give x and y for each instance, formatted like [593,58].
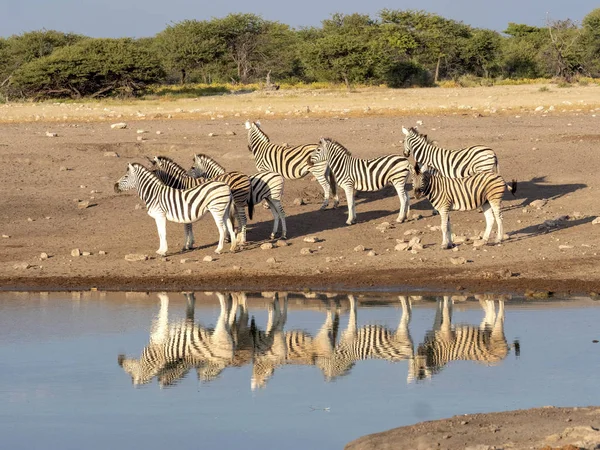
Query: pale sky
[141,18]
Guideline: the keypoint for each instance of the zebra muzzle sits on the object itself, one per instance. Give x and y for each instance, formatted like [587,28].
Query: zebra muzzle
[117,188]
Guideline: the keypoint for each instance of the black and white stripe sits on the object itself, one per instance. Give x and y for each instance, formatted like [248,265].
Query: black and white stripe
[268,186]
[368,342]
[463,194]
[175,176]
[177,347]
[181,206]
[205,166]
[446,342]
[354,174]
[450,163]
[291,162]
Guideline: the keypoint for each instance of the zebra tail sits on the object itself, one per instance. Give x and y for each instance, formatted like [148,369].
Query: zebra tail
[250,203]
[332,183]
[513,187]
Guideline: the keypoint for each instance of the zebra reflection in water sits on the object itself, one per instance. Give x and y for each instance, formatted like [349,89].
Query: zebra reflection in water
[175,348]
[368,342]
[446,342]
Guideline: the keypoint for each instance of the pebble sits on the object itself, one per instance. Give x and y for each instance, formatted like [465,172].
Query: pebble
[458,261]
[208,258]
[359,248]
[596,221]
[77,252]
[102,252]
[119,126]
[108,154]
[271,261]
[305,251]
[311,239]
[401,246]
[267,246]
[83,205]
[50,134]
[539,204]
[86,253]
[135,257]
[409,232]
[298,202]
[22,266]
[6,236]
[282,243]
[371,253]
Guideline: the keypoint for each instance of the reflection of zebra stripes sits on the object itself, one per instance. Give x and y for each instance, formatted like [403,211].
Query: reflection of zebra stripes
[181,206]
[368,342]
[177,347]
[450,163]
[291,162]
[463,194]
[175,176]
[446,342]
[205,166]
[355,174]
[268,186]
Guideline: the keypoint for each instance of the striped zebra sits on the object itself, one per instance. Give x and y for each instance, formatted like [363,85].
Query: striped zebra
[369,342]
[175,176]
[268,186]
[463,194]
[205,166]
[450,163]
[355,174]
[446,342]
[177,347]
[291,162]
[181,206]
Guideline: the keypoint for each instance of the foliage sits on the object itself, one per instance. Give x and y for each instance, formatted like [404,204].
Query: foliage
[92,67]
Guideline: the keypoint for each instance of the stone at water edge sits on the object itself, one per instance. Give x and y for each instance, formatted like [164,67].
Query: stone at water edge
[135,257]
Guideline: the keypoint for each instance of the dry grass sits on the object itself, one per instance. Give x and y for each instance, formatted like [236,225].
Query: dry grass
[519,99]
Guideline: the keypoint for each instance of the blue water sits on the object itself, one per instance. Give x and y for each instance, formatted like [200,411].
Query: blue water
[61,386]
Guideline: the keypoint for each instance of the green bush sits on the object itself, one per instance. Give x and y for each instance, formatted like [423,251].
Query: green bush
[92,67]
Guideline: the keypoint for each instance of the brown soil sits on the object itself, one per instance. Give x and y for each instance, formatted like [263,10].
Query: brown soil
[552,154]
[540,428]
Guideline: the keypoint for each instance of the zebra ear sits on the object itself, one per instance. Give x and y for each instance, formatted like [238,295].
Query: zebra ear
[257,123]
[405,131]
[247,124]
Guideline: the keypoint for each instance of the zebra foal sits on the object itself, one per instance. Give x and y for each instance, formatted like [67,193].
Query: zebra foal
[355,174]
[450,163]
[291,162]
[181,206]
[463,194]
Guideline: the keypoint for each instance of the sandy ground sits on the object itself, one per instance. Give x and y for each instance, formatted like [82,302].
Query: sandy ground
[547,140]
[552,153]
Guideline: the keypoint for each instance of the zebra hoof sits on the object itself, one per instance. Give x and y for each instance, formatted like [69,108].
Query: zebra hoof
[323,207]
[399,220]
[218,251]
[161,252]
[447,246]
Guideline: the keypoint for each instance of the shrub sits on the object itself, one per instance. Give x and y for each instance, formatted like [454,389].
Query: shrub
[92,67]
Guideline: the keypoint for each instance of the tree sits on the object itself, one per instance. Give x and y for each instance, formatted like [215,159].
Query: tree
[343,50]
[92,67]
[590,41]
[241,35]
[563,51]
[520,53]
[482,52]
[189,45]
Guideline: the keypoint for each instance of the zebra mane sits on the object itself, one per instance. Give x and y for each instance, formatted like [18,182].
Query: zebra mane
[255,126]
[337,145]
[143,169]
[169,161]
[419,135]
[211,161]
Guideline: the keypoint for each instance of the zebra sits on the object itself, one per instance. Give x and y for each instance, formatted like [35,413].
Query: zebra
[355,174]
[463,194]
[175,348]
[205,166]
[268,186]
[182,206]
[450,163]
[175,176]
[369,342]
[291,162]
[446,342]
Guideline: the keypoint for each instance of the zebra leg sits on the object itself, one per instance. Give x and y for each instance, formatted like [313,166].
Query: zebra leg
[489,221]
[275,214]
[161,226]
[232,236]
[446,236]
[241,216]
[404,203]
[351,208]
[321,172]
[498,216]
[189,237]
[281,213]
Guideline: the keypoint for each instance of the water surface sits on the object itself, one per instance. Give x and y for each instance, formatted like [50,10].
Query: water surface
[283,376]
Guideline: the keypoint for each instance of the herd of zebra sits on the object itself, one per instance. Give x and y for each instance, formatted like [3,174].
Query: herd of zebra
[464,179]
[177,347]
